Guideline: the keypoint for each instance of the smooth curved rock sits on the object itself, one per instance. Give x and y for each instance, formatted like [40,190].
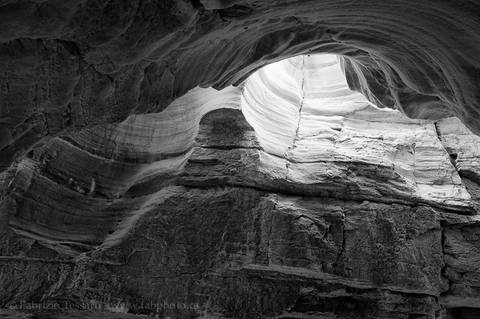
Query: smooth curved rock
[75,64]
[122,174]
[324,137]
[226,236]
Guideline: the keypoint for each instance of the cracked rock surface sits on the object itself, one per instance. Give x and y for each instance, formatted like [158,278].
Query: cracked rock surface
[71,64]
[352,212]
[128,179]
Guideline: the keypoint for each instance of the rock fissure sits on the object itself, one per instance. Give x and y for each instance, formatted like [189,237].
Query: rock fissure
[123,173]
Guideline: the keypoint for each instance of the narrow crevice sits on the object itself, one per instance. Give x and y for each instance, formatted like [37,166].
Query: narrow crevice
[338,260]
[270,232]
[471,185]
[295,138]
[302,99]
[230,147]
[100,154]
[452,156]
[444,266]
[184,181]
[34,259]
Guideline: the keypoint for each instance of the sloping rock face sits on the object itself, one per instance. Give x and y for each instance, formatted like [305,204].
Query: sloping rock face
[238,239]
[290,197]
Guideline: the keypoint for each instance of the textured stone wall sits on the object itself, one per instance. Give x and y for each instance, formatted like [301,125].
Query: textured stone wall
[244,235]
[351,211]
[289,196]
[70,64]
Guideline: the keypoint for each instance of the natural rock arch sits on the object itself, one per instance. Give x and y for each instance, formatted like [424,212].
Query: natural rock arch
[82,63]
[102,140]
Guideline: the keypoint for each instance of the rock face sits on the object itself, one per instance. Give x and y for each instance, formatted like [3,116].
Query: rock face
[134,176]
[71,64]
[289,197]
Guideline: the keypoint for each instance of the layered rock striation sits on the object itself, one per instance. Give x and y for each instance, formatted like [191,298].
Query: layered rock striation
[289,197]
[72,64]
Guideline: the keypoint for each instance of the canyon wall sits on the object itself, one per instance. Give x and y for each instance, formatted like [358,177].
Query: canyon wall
[289,197]
[71,64]
[132,170]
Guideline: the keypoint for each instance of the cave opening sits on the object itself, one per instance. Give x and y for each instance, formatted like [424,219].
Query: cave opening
[146,168]
[305,95]
[303,111]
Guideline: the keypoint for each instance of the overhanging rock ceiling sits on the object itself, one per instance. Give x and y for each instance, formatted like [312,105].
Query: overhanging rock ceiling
[254,158]
[72,64]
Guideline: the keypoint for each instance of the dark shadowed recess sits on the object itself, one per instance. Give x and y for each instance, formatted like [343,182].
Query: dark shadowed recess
[72,64]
